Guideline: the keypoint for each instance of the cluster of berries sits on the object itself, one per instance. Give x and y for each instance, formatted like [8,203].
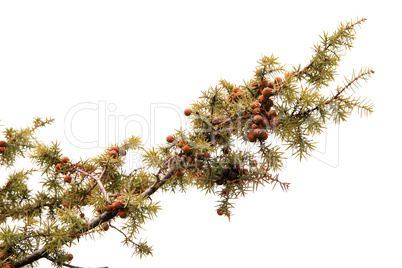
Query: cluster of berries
[263,116]
[63,168]
[232,174]
[3,145]
[192,157]
[117,207]
[235,173]
[235,95]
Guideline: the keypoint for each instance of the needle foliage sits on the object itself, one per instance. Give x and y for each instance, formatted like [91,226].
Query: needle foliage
[225,152]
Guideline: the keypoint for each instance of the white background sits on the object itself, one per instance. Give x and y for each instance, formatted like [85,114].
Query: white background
[343,209]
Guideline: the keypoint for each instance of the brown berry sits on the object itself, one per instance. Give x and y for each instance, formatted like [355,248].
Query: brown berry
[122,214]
[99,210]
[67,178]
[121,151]
[82,215]
[277,81]
[114,148]
[264,123]
[267,92]
[116,205]
[179,174]
[271,114]
[253,163]
[263,84]
[257,119]
[257,133]
[2,150]
[181,143]
[3,143]
[255,105]
[170,139]
[245,171]
[219,211]
[109,208]
[113,153]
[262,99]
[257,111]
[69,257]
[186,149]
[236,89]
[271,84]
[264,136]
[251,137]
[225,191]
[65,159]
[269,105]
[274,122]
[187,112]
[58,166]
[254,84]
[105,227]
[254,126]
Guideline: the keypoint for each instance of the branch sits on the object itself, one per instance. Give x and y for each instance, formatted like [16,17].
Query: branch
[361,75]
[34,256]
[106,216]
[327,47]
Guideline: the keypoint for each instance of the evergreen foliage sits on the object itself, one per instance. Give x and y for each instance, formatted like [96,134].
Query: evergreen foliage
[80,198]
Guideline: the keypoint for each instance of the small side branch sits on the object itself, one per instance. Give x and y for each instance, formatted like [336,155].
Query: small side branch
[362,75]
[125,236]
[98,181]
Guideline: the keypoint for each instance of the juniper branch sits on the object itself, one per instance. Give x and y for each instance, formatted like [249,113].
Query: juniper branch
[104,217]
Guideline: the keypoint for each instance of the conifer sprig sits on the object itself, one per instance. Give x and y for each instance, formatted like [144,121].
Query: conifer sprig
[225,152]
[328,53]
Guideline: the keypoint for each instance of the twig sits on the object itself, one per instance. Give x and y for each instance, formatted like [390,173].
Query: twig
[368,72]
[120,231]
[98,181]
[308,66]
[336,96]
[230,119]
